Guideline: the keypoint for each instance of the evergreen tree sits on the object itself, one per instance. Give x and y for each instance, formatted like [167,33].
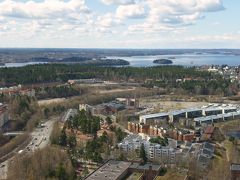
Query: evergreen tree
[72,141]
[63,138]
[143,155]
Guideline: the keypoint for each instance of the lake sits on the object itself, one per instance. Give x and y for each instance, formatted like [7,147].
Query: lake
[21,64]
[184,59]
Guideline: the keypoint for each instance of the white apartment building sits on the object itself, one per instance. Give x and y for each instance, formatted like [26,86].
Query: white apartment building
[154,151]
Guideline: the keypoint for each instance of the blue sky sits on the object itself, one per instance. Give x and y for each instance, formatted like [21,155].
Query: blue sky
[120,23]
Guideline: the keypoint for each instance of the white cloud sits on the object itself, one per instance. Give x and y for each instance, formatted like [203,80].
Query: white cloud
[123,2]
[214,38]
[173,15]
[131,11]
[149,28]
[181,12]
[43,10]
[107,20]
[154,23]
[48,17]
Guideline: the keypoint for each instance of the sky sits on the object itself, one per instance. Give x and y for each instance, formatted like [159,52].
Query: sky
[152,24]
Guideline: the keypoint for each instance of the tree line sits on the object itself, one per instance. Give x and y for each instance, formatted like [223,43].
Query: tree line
[201,82]
[62,72]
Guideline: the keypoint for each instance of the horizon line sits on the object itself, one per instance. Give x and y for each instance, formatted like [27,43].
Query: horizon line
[1,48]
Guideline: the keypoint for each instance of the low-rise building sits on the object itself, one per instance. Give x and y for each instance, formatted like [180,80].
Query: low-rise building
[206,114]
[105,109]
[118,170]
[112,170]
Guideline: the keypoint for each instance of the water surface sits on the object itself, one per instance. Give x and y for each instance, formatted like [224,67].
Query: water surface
[184,59]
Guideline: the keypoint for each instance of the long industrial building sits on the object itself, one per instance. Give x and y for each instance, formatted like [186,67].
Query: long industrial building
[203,112]
[217,118]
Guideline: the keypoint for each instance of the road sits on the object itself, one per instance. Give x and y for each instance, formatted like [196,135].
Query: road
[40,139]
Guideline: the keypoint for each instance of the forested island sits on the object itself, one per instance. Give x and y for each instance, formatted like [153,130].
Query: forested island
[83,60]
[162,61]
[107,62]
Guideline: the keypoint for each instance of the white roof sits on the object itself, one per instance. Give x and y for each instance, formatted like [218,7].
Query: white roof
[236,113]
[210,107]
[177,112]
[149,116]
[207,118]
[213,109]
[228,115]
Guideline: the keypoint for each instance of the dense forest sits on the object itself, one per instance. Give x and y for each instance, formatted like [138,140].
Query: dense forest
[62,72]
[201,82]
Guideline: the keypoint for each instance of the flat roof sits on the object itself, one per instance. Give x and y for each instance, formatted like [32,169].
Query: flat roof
[148,116]
[217,116]
[230,108]
[110,170]
[203,160]
[235,167]
[236,113]
[209,108]
[213,109]
[132,138]
[177,112]
[145,166]
[228,115]
[207,118]
[212,117]
[193,109]
[209,146]
[207,152]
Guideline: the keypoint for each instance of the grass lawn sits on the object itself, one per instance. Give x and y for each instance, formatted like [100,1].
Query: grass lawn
[172,175]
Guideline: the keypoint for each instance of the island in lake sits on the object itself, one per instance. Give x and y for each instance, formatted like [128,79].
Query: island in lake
[107,62]
[162,61]
[84,60]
